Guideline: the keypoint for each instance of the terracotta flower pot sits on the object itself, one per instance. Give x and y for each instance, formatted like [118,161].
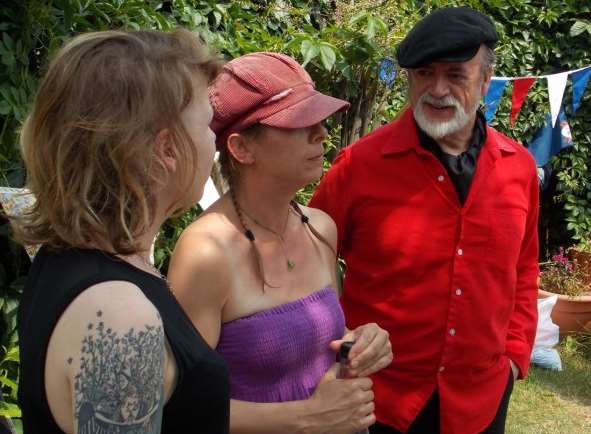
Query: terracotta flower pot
[571,314]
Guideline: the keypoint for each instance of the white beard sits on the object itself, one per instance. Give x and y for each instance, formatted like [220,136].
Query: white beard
[437,130]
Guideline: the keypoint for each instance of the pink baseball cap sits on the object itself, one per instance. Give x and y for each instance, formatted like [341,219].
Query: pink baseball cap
[267,88]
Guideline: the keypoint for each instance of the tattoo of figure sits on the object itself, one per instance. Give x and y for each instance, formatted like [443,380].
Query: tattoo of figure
[119,388]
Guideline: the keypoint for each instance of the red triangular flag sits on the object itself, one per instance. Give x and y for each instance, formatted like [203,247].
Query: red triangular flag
[520,88]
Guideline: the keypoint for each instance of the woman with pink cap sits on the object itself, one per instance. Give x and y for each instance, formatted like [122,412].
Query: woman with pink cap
[256,272]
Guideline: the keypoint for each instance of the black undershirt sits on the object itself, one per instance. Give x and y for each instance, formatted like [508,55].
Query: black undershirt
[460,168]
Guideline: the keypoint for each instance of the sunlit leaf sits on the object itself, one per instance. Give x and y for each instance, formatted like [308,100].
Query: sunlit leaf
[309,50]
[578,27]
[327,56]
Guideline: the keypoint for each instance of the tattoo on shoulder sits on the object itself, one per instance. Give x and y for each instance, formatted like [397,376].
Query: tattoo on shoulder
[119,388]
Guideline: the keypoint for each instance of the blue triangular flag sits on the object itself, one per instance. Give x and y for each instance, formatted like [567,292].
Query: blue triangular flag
[492,98]
[550,141]
[580,79]
[387,71]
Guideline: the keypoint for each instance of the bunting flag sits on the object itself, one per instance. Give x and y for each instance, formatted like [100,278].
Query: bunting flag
[492,98]
[550,139]
[556,86]
[388,71]
[520,88]
[580,80]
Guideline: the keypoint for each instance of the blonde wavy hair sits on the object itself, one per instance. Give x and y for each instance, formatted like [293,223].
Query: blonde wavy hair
[88,144]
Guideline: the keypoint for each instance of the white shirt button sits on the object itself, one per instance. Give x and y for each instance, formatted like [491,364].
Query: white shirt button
[441,178]
[452,331]
[441,368]
[460,252]
[458,291]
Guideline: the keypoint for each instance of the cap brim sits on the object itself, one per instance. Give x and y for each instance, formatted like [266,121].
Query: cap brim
[309,111]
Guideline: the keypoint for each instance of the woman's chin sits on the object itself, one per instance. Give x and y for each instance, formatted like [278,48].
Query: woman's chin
[313,177]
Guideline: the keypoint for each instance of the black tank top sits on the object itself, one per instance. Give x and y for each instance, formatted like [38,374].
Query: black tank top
[200,402]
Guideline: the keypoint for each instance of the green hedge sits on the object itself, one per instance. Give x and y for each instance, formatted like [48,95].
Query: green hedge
[342,44]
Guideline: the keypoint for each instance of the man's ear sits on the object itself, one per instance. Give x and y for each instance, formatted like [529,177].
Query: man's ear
[165,149]
[240,149]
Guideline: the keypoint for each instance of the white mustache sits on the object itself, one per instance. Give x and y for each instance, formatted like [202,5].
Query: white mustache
[435,129]
[446,101]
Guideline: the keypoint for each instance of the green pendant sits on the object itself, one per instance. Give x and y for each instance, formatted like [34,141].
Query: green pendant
[290,265]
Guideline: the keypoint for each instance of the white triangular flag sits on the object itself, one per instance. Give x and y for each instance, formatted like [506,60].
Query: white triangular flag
[556,86]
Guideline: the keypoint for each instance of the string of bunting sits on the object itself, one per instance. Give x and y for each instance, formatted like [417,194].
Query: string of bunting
[521,85]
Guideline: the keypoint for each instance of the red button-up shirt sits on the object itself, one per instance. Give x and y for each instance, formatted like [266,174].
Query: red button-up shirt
[455,286]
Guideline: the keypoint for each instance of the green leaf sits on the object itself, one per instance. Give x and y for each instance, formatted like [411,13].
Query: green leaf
[309,50]
[371,28]
[162,23]
[327,56]
[6,382]
[358,17]
[8,41]
[18,425]
[13,355]
[4,108]
[197,19]
[578,27]
[218,18]
[9,410]
[133,25]
[222,8]
[375,25]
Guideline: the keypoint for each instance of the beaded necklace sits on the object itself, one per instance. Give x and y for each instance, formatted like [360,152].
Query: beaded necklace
[293,208]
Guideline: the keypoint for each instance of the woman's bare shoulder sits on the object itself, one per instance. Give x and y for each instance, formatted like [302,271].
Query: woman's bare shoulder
[119,304]
[323,223]
[108,310]
[211,236]
[203,258]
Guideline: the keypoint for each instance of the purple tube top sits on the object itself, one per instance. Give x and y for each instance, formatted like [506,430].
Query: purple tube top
[280,354]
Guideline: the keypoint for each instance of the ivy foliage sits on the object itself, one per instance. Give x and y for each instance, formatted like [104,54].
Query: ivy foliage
[347,46]
[538,38]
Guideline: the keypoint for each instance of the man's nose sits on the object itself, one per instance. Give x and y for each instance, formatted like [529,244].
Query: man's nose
[440,87]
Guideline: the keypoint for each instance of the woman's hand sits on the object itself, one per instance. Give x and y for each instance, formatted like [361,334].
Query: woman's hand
[371,352]
[340,406]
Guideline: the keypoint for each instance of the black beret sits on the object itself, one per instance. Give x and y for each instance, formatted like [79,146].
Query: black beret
[446,35]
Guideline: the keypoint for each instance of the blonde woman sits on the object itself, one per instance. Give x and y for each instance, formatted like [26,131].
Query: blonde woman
[117,140]
[256,273]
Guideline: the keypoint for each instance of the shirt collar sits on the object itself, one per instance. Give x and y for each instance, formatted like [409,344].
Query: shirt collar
[405,137]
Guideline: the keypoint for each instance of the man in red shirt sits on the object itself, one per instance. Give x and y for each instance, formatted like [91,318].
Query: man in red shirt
[437,214]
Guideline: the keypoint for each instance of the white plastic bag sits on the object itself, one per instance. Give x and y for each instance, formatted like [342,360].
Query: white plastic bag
[544,354]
